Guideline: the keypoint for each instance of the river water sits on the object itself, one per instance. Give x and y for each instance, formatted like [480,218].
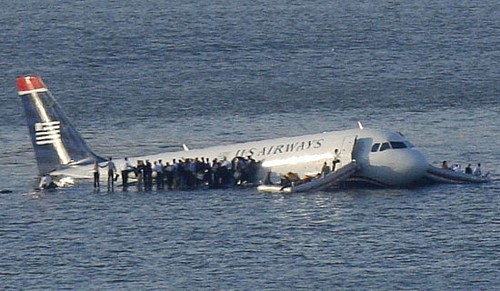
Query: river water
[140,77]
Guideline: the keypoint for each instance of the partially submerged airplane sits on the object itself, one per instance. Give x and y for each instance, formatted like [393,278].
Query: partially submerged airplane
[368,156]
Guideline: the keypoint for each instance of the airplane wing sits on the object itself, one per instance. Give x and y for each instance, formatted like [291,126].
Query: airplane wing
[73,172]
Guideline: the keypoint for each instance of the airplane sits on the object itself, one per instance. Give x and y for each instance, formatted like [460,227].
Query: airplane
[382,157]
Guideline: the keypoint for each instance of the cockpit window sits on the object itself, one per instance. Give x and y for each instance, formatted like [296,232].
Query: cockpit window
[390,145]
[398,145]
[385,146]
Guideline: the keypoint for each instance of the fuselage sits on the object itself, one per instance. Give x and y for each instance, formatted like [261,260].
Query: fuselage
[383,157]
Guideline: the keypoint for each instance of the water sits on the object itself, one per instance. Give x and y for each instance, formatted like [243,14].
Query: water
[141,77]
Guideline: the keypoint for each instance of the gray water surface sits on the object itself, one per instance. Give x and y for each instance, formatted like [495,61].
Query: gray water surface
[140,77]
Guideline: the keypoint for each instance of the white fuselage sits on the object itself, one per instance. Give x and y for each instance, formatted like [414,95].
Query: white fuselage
[384,157]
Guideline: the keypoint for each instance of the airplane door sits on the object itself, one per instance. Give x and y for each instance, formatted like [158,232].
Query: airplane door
[347,151]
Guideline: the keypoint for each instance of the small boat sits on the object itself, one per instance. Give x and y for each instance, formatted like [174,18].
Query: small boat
[449,176]
[317,184]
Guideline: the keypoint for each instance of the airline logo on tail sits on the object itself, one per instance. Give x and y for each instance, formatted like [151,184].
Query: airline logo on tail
[48,132]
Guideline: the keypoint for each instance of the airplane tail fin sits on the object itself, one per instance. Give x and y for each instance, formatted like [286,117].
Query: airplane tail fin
[55,140]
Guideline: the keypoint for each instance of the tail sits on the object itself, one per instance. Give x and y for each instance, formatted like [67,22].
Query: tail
[56,142]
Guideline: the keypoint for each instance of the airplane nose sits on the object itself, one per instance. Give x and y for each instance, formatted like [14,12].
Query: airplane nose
[415,165]
[398,167]
[404,167]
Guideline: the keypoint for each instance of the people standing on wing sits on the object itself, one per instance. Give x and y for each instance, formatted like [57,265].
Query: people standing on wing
[96,175]
[215,173]
[236,172]
[169,175]
[225,163]
[208,177]
[192,180]
[228,173]
[181,172]
[154,174]
[336,159]
[252,169]
[186,174]
[444,165]
[158,168]
[325,170]
[176,182]
[148,176]
[244,167]
[468,169]
[162,181]
[193,167]
[477,170]
[126,169]
[139,173]
[209,166]
[111,173]
[198,171]
[225,172]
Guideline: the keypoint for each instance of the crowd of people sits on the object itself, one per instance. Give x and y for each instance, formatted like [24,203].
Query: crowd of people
[188,173]
[181,174]
[458,168]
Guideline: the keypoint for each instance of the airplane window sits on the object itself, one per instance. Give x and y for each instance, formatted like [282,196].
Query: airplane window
[385,146]
[398,145]
[375,147]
